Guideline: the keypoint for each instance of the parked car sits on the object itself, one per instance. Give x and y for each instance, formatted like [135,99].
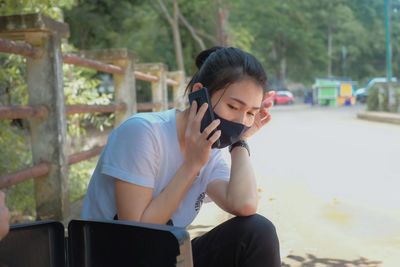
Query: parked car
[361,94]
[283,97]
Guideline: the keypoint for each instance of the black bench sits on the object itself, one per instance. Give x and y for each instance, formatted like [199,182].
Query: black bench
[95,244]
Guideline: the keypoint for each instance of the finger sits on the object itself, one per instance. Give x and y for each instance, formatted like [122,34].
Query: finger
[264,113]
[214,137]
[193,110]
[262,116]
[265,120]
[267,104]
[268,95]
[2,197]
[192,114]
[202,110]
[208,130]
[199,116]
[5,213]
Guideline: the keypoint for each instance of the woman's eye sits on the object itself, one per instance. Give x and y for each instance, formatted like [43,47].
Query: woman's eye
[232,107]
[251,114]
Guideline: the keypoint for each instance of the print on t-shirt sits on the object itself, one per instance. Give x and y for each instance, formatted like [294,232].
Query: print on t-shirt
[199,202]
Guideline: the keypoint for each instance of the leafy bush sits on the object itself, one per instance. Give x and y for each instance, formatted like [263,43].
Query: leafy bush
[14,138]
[378,98]
[373,98]
[79,177]
[80,87]
[397,96]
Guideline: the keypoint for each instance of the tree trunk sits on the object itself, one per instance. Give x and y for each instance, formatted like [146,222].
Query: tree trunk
[177,38]
[174,22]
[221,24]
[329,50]
[282,77]
[391,92]
[278,56]
[274,58]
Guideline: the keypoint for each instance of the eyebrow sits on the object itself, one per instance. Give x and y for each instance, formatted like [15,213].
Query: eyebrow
[243,103]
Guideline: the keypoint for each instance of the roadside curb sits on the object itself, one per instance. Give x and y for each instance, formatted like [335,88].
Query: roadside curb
[385,117]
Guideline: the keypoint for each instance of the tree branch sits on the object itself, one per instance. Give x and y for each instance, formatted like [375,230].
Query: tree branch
[196,32]
[165,11]
[192,31]
[208,36]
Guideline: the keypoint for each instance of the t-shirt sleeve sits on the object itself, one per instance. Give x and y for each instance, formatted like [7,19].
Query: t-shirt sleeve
[130,153]
[220,167]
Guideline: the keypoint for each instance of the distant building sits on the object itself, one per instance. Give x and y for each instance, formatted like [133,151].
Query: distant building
[334,92]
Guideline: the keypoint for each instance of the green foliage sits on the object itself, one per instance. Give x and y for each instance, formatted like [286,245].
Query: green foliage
[21,199]
[15,154]
[110,25]
[242,38]
[396,107]
[373,100]
[294,31]
[139,26]
[80,88]
[51,8]
[79,177]
[13,88]
[378,98]
[14,138]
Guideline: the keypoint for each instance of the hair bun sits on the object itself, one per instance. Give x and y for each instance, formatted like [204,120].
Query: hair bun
[205,54]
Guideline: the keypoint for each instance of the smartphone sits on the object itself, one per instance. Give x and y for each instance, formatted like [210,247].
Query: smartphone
[201,96]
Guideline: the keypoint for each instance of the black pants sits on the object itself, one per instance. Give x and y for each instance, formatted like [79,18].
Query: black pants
[242,241]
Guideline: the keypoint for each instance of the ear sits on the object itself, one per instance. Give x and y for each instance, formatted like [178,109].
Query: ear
[196,87]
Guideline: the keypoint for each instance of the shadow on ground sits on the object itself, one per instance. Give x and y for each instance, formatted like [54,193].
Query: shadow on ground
[311,260]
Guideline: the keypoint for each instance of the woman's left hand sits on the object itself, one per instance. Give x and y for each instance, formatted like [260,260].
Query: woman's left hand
[262,117]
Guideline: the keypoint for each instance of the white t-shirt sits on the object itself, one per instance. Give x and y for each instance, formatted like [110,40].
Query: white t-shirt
[144,150]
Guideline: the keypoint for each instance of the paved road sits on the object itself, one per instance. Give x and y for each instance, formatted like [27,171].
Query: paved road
[330,183]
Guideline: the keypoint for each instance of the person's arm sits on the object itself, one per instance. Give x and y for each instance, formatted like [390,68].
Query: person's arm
[237,196]
[136,203]
[4,216]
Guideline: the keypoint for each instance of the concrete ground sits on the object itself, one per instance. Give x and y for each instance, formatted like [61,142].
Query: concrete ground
[330,183]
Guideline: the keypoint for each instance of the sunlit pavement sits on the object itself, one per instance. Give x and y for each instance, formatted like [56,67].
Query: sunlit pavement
[330,183]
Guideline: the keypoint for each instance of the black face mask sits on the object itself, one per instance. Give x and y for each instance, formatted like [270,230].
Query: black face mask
[231,132]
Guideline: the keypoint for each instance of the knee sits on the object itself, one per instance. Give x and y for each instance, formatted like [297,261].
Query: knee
[261,241]
[258,227]
[255,222]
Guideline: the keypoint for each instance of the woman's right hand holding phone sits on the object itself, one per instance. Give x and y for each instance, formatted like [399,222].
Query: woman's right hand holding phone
[197,146]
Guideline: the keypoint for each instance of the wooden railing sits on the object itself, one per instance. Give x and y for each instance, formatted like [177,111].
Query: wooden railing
[47,110]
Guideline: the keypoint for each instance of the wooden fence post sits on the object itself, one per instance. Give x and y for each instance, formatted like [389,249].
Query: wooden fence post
[45,85]
[124,84]
[179,90]
[159,89]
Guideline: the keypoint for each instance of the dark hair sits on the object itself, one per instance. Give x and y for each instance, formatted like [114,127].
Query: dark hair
[221,66]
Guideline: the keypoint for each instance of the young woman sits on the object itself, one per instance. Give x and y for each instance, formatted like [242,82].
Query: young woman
[157,167]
